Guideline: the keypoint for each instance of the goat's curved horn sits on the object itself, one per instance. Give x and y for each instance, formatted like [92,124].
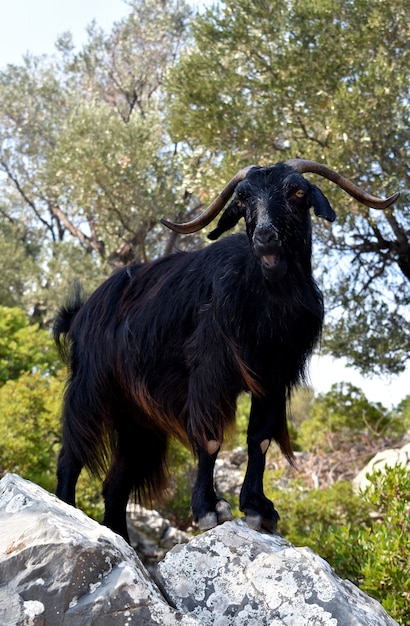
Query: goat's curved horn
[303,166]
[212,211]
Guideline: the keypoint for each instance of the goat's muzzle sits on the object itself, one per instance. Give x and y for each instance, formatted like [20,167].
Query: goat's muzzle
[270,261]
[273,266]
[268,249]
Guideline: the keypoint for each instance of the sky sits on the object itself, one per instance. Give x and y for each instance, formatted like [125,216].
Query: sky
[34,26]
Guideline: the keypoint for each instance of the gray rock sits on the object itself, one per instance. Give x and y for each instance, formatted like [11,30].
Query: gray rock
[232,575]
[386,458]
[229,471]
[57,566]
[152,535]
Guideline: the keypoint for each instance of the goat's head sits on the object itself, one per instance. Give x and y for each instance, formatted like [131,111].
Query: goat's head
[275,202]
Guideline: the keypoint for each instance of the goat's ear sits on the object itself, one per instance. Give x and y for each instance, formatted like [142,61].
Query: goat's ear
[229,218]
[321,204]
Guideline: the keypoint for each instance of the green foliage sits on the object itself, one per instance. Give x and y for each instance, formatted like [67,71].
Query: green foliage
[19,254]
[304,511]
[403,413]
[89,497]
[239,438]
[301,405]
[29,427]
[337,416]
[383,330]
[30,399]
[111,173]
[24,347]
[31,392]
[376,556]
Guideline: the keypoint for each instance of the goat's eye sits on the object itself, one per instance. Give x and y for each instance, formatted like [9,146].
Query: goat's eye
[297,194]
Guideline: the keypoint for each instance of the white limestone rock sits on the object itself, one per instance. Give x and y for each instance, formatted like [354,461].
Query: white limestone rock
[232,575]
[57,566]
[386,458]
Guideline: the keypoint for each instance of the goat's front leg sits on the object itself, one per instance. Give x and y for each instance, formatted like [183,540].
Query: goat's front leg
[267,418]
[207,507]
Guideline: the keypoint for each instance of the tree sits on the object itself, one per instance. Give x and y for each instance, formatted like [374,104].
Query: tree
[84,155]
[329,81]
[19,254]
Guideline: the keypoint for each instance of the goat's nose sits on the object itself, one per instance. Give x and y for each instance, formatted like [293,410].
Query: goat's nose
[266,235]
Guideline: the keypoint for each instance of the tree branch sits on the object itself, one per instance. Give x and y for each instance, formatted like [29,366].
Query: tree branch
[321,143]
[89,242]
[26,199]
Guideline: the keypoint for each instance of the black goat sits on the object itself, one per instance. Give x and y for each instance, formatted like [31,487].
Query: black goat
[163,349]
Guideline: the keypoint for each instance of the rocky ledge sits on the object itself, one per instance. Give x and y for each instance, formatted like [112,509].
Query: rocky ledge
[58,567]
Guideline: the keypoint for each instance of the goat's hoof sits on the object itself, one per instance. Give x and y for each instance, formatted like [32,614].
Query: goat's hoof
[223,511]
[254,521]
[221,514]
[257,522]
[208,521]
[270,525]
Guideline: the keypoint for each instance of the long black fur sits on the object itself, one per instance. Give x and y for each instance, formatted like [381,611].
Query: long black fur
[163,349]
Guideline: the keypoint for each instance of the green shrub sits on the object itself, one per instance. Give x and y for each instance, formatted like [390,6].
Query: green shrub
[29,427]
[30,436]
[305,513]
[238,438]
[24,347]
[376,555]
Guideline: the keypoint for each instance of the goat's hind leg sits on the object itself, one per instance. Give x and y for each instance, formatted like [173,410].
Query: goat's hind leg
[116,492]
[68,471]
[119,483]
[207,507]
[138,466]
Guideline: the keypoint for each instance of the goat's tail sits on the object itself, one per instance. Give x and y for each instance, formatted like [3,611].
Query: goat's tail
[64,319]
